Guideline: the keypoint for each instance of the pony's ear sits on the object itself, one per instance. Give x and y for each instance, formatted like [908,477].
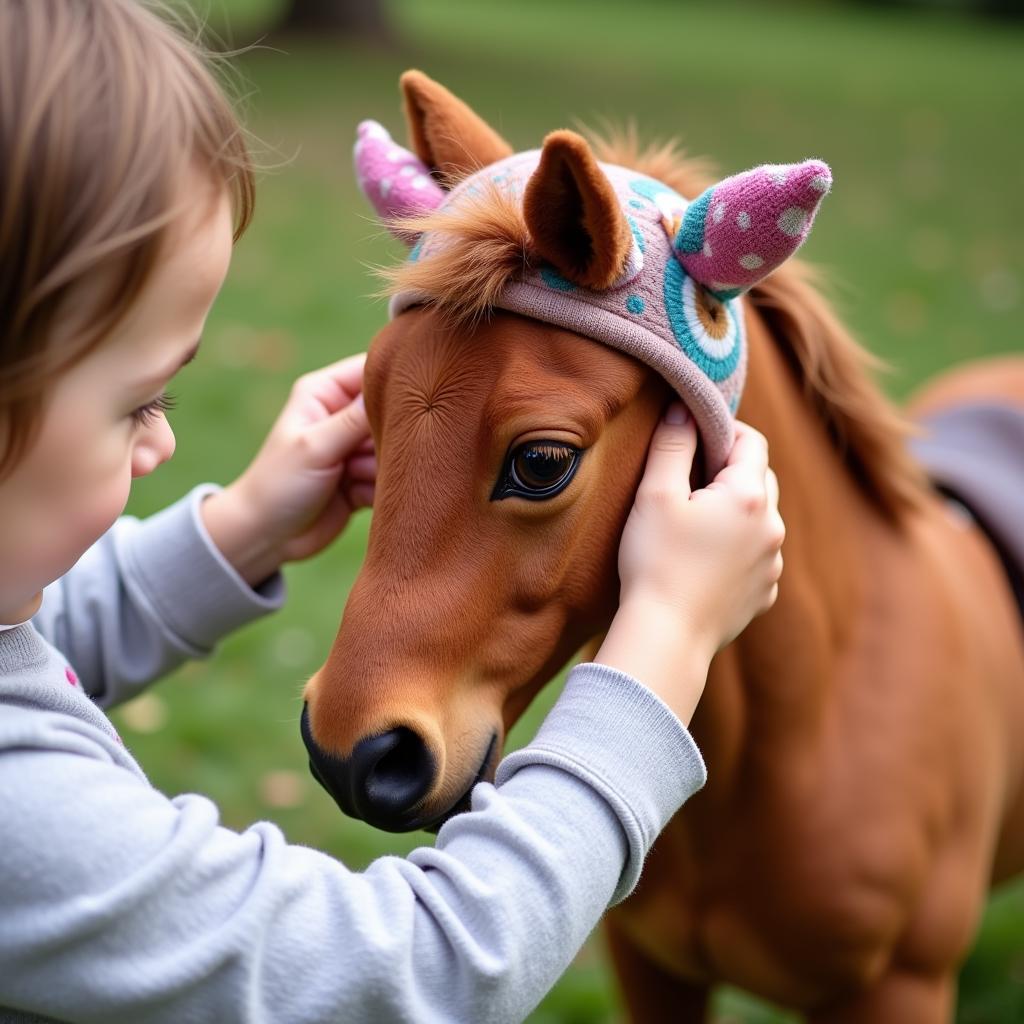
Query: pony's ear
[737,232]
[574,216]
[446,134]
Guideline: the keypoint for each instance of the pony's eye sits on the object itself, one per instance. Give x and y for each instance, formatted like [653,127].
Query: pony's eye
[537,470]
[536,467]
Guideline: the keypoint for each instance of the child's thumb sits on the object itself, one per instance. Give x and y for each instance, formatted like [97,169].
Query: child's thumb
[341,433]
[670,456]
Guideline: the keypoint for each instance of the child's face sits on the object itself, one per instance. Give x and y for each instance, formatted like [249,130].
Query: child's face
[96,433]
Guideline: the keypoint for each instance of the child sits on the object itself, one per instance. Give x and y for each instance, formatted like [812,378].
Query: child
[122,168]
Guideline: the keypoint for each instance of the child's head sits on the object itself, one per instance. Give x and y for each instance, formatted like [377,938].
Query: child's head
[123,171]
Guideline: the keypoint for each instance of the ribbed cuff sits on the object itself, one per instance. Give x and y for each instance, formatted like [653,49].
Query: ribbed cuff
[21,649]
[611,731]
[193,587]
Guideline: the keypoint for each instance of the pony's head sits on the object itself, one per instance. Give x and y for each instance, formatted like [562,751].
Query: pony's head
[601,250]
[509,444]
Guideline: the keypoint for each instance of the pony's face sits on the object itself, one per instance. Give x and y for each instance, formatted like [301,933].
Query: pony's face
[504,484]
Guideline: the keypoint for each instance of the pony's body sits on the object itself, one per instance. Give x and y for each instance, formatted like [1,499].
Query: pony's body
[864,788]
[866,785]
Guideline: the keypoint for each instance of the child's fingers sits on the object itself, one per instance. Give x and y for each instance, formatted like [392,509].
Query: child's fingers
[745,473]
[362,468]
[670,456]
[772,486]
[332,387]
[360,495]
[347,373]
[750,452]
[330,441]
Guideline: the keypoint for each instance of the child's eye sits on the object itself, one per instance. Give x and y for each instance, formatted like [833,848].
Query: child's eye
[146,414]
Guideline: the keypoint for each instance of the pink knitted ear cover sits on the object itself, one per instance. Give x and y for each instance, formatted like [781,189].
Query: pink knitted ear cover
[397,183]
[738,231]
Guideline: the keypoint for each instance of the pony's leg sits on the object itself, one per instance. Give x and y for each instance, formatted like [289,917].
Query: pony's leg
[898,998]
[651,994]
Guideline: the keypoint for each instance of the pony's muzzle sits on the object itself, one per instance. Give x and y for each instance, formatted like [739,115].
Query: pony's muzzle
[383,781]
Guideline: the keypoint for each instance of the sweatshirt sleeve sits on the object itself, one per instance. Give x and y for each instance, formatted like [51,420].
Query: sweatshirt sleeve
[123,906]
[147,596]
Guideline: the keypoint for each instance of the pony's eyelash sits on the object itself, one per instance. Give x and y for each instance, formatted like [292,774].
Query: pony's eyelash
[146,414]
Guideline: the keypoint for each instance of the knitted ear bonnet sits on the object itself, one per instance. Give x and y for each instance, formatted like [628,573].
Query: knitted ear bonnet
[623,258]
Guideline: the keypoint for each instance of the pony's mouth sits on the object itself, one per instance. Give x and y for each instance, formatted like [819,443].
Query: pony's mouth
[463,803]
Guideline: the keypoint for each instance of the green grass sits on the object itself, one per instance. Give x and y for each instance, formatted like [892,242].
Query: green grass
[919,118]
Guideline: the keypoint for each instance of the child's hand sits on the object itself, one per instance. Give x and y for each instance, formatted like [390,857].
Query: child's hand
[315,468]
[695,568]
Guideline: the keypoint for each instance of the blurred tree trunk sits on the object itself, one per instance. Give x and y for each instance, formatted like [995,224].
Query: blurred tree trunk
[338,17]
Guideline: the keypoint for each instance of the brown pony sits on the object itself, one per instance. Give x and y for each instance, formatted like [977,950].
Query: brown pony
[865,786]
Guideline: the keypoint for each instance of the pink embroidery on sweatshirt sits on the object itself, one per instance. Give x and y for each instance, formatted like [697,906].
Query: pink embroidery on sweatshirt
[70,676]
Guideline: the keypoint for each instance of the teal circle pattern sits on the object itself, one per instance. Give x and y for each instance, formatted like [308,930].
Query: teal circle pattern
[715,359]
[635,304]
[690,237]
[553,279]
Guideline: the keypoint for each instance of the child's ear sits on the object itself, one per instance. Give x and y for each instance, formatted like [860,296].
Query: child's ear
[446,134]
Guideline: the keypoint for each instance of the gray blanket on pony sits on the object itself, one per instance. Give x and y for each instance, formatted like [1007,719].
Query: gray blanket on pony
[975,454]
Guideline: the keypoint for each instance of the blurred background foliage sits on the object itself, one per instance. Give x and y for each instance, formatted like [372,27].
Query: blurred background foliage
[917,107]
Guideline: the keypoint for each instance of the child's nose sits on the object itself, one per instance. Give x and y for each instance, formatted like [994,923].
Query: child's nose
[153,448]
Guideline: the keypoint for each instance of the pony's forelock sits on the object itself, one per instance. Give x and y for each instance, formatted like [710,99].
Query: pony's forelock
[486,246]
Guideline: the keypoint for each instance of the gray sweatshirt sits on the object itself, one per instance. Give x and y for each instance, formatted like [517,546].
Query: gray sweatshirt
[119,905]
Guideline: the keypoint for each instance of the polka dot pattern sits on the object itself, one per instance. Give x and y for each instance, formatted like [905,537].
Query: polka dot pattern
[396,182]
[741,229]
[792,221]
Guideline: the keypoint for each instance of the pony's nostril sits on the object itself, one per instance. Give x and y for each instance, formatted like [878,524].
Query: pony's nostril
[382,782]
[392,772]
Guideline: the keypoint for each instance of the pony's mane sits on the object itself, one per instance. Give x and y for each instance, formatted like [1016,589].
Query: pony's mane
[489,246]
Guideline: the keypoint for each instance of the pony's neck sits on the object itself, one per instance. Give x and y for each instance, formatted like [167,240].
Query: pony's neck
[776,677]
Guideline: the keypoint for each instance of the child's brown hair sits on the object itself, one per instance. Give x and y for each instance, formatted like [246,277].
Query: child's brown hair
[104,108]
